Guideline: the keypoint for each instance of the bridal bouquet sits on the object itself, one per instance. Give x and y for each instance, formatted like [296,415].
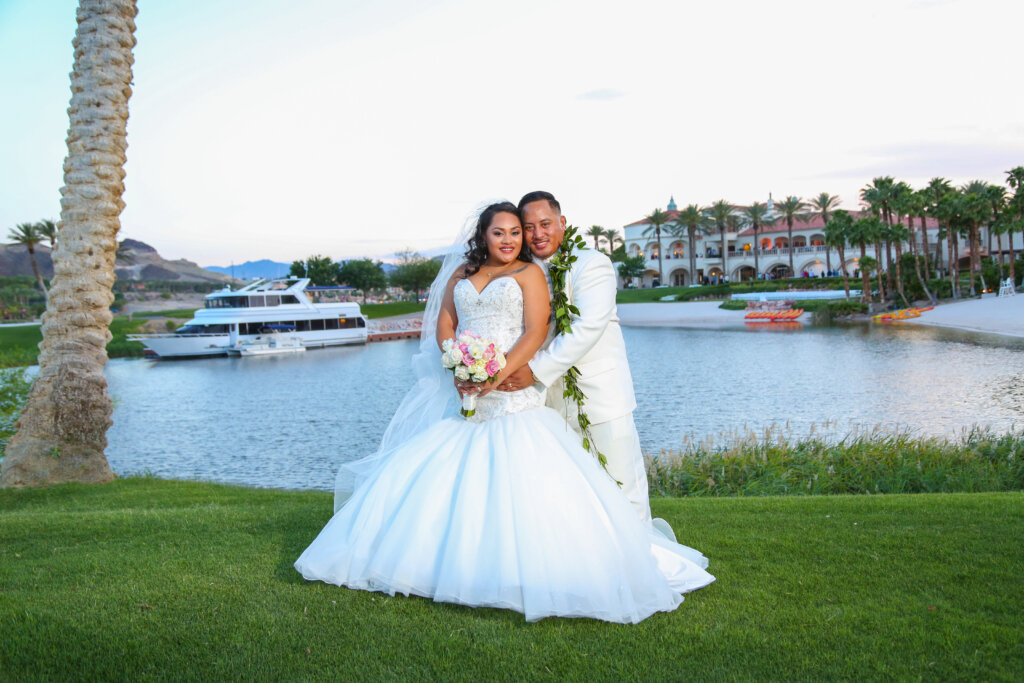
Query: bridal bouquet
[471,358]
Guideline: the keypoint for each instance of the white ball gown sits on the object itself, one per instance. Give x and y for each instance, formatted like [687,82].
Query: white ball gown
[504,509]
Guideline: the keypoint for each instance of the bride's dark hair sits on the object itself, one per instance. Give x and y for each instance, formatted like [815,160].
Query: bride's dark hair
[476,250]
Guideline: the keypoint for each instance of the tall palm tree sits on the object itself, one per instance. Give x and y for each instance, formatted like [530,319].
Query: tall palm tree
[655,221]
[824,204]
[948,211]
[917,205]
[48,229]
[863,232]
[791,209]
[837,231]
[934,191]
[27,235]
[597,232]
[719,212]
[613,237]
[879,196]
[1015,179]
[758,216]
[996,195]
[976,208]
[62,430]
[688,222]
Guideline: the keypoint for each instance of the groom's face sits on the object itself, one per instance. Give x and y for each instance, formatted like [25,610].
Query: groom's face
[543,228]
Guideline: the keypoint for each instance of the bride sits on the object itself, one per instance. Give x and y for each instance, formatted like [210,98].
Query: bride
[503,509]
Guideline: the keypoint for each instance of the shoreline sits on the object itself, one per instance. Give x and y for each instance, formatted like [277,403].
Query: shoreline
[703,314]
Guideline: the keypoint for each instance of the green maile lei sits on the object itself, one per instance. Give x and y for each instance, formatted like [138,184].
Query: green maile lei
[558,266]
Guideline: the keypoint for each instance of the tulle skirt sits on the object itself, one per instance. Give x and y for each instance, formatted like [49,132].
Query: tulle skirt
[508,513]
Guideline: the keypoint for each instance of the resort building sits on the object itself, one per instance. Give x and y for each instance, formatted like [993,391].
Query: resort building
[770,249]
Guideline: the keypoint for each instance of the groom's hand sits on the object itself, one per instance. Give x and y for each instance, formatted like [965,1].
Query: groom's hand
[518,380]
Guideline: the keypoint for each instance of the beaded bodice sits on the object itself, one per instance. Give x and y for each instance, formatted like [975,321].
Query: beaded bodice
[496,314]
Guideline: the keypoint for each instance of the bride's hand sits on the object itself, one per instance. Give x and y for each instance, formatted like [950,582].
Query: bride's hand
[466,387]
[518,380]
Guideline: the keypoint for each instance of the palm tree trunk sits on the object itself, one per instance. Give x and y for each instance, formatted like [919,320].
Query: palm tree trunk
[842,266]
[35,269]
[952,262]
[865,277]
[924,285]
[692,239]
[792,271]
[757,246]
[999,248]
[1013,257]
[881,285]
[661,271]
[62,430]
[899,272]
[924,245]
[974,240]
[725,269]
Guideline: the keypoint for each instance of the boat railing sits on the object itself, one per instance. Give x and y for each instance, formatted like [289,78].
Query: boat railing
[170,335]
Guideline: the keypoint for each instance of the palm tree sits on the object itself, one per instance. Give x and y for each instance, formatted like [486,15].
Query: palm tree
[720,212]
[688,222]
[62,430]
[913,204]
[48,229]
[837,230]
[863,232]
[655,221]
[879,196]
[597,232]
[947,210]
[824,204]
[976,208]
[758,217]
[996,195]
[613,236]
[27,235]
[1015,179]
[791,209]
[934,191]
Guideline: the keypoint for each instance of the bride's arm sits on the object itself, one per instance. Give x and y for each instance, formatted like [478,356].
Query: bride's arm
[447,318]
[536,313]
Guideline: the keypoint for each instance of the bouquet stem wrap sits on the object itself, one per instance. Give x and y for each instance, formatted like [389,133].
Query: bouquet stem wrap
[468,405]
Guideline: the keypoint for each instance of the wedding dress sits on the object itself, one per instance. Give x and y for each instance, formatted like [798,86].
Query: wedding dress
[504,509]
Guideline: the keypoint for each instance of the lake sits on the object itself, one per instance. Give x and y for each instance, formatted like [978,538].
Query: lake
[287,421]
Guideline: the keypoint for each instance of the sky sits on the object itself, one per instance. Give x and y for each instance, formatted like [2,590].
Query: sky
[263,129]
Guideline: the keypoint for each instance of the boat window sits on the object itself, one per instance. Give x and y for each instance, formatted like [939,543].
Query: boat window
[362,323]
[289,299]
[331,324]
[273,300]
[256,301]
[302,326]
[316,325]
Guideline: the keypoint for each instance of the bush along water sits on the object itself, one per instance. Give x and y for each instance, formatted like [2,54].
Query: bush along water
[875,461]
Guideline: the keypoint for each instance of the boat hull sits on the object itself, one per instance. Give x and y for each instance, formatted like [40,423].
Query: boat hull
[197,346]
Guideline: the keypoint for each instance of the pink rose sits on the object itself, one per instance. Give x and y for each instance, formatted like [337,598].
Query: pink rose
[467,358]
[489,352]
[492,367]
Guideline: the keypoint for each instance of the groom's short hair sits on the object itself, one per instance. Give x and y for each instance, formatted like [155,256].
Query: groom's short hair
[539,195]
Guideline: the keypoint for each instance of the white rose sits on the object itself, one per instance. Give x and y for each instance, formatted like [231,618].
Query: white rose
[477,349]
[480,375]
[462,373]
[447,345]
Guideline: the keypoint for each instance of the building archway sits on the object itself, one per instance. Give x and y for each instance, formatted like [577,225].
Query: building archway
[781,242]
[743,274]
[679,278]
[817,240]
[799,241]
[778,270]
[813,268]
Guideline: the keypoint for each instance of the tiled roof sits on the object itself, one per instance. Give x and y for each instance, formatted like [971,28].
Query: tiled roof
[815,223]
[672,215]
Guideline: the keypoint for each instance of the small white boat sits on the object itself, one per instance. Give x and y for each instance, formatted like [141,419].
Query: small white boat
[275,339]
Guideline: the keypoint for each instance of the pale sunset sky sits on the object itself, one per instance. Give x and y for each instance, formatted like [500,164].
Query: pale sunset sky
[263,129]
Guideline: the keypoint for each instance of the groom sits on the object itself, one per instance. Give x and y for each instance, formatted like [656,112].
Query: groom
[595,346]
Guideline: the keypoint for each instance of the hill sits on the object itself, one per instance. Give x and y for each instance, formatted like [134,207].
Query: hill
[250,270]
[135,261]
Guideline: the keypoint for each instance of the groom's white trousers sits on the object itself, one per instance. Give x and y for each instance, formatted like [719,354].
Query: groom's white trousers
[619,442]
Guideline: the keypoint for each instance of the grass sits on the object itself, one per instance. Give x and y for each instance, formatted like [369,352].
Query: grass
[19,346]
[153,580]
[829,307]
[395,308]
[14,387]
[752,464]
[184,313]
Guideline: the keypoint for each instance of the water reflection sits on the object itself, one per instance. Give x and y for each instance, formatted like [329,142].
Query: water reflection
[288,421]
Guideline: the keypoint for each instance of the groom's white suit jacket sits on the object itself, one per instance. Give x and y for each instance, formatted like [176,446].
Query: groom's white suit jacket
[595,345]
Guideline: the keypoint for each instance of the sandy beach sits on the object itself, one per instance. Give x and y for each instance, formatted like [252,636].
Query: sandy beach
[679,314]
[990,314]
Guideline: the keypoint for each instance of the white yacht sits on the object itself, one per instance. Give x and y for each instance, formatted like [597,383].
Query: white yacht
[316,316]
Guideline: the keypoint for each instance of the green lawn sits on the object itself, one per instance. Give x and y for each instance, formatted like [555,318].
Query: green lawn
[20,345]
[151,579]
[184,313]
[386,310]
